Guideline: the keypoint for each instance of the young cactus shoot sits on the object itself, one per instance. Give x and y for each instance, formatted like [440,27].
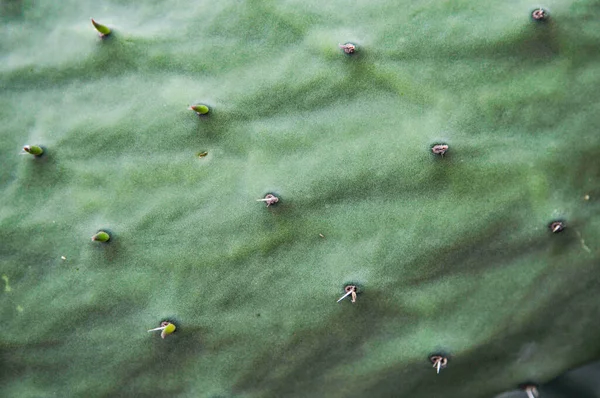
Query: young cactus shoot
[103,30]
[33,149]
[101,236]
[200,109]
[166,328]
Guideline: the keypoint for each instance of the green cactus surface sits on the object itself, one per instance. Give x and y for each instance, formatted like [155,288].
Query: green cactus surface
[451,253]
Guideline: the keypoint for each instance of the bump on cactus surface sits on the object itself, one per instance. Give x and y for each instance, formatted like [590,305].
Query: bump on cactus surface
[34,150]
[269,199]
[101,236]
[455,253]
[103,30]
[348,48]
[439,361]
[200,109]
[166,328]
[539,14]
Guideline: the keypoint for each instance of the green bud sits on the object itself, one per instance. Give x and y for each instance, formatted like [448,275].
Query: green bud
[102,29]
[33,149]
[170,328]
[101,237]
[199,109]
[166,328]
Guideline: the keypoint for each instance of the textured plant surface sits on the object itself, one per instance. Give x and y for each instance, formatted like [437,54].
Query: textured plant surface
[451,254]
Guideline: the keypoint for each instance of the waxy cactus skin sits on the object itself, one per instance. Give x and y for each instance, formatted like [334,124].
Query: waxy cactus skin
[451,254]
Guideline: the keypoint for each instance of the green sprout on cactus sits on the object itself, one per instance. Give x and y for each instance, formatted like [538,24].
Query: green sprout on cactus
[200,109]
[103,30]
[350,291]
[34,150]
[269,199]
[439,361]
[101,236]
[166,328]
